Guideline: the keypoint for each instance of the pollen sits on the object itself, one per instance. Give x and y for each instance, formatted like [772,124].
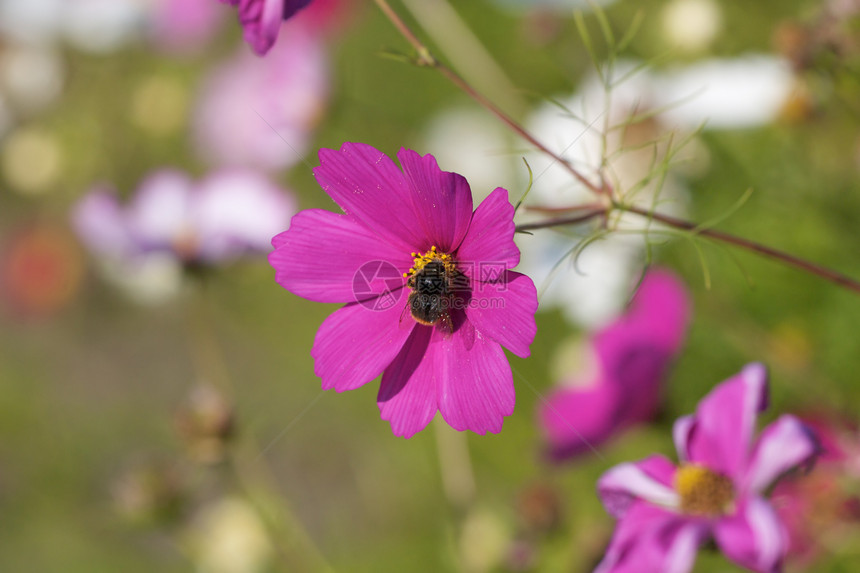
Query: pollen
[420,260]
[703,491]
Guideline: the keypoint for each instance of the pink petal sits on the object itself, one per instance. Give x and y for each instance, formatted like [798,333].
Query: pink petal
[100,223]
[475,387]
[649,479]
[159,213]
[636,366]
[575,420]
[407,395]
[652,540]
[753,537]
[368,186]
[633,355]
[238,211]
[321,254]
[681,435]
[636,350]
[488,247]
[261,20]
[662,308]
[355,344]
[783,445]
[442,200]
[720,434]
[505,311]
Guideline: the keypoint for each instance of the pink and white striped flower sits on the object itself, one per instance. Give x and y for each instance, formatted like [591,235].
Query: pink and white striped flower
[666,512]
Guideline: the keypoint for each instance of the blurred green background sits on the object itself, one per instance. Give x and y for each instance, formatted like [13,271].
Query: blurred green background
[90,392]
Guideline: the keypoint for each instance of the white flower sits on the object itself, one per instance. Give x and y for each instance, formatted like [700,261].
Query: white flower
[725,93]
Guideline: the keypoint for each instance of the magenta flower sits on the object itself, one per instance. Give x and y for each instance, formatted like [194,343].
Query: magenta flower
[261,19]
[632,356]
[430,297]
[226,215]
[665,512]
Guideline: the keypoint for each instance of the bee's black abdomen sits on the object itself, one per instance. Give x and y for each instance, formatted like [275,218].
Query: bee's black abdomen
[430,293]
[426,309]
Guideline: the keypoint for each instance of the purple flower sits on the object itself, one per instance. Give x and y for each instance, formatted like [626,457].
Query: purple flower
[260,112]
[261,19]
[430,297]
[632,357]
[665,512]
[225,215]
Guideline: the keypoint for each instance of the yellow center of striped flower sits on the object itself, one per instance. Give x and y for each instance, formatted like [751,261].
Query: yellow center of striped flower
[420,260]
[703,491]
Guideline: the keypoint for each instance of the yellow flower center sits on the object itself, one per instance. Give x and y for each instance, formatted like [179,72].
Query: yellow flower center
[420,260]
[703,492]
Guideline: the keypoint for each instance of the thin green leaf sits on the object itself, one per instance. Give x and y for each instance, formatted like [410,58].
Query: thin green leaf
[702,261]
[731,211]
[583,244]
[605,26]
[528,188]
[635,24]
[581,27]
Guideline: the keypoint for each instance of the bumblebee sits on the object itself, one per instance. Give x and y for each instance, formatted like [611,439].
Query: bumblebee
[432,294]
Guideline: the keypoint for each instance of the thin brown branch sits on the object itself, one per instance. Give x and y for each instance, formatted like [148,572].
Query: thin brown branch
[763,250]
[570,209]
[561,221]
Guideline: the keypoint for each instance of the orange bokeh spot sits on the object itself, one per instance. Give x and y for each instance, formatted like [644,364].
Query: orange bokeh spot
[41,269]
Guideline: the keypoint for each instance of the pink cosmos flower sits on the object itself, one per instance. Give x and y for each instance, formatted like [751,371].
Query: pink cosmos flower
[430,297]
[183,26]
[665,512]
[261,19]
[632,357]
[260,112]
[222,217]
